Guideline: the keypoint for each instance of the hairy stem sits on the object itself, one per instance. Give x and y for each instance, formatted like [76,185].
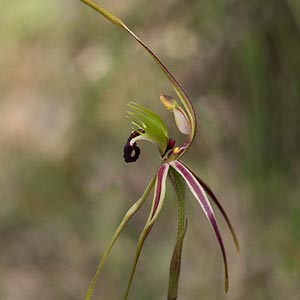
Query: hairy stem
[175,265]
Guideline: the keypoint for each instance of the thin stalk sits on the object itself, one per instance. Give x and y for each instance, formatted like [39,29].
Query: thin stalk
[157,204]
[134,208]
[176,86]
[175,265]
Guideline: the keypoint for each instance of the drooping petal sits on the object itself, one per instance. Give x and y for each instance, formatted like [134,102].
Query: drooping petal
[209,191]
[134,208]
[199,193]
[179,186]
[157,203]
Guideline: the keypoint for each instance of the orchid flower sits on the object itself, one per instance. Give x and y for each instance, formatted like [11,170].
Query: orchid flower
[149,126]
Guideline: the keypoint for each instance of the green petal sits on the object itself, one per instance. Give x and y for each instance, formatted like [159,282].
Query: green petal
[150,126]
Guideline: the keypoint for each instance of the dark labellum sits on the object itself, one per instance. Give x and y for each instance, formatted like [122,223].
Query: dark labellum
[131,153]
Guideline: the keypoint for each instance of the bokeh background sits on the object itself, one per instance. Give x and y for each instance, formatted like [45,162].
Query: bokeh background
[66,75]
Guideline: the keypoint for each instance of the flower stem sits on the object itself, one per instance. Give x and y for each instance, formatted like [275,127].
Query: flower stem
[175,265]
[176,86]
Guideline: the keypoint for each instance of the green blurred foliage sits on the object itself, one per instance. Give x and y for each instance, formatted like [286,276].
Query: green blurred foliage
[66,76]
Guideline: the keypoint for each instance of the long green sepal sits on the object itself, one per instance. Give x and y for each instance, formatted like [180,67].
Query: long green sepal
[175,265]
[157,203]
[133,209]
[177,87]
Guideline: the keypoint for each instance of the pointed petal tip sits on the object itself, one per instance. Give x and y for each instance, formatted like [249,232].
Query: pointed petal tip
[226,282]
[226,285]
[235,239]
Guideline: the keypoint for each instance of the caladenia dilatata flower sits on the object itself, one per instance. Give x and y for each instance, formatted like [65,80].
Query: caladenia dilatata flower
[148,126]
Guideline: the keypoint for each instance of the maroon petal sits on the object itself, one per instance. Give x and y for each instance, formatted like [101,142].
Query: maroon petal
[199,193]
[219,205]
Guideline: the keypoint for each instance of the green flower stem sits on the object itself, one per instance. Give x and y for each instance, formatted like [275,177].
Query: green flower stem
[175,265]
[134,208]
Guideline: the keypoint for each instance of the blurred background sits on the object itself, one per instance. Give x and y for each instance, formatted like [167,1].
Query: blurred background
[66,76]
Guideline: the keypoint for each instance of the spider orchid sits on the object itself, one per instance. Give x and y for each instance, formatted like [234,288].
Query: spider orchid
[149,126]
